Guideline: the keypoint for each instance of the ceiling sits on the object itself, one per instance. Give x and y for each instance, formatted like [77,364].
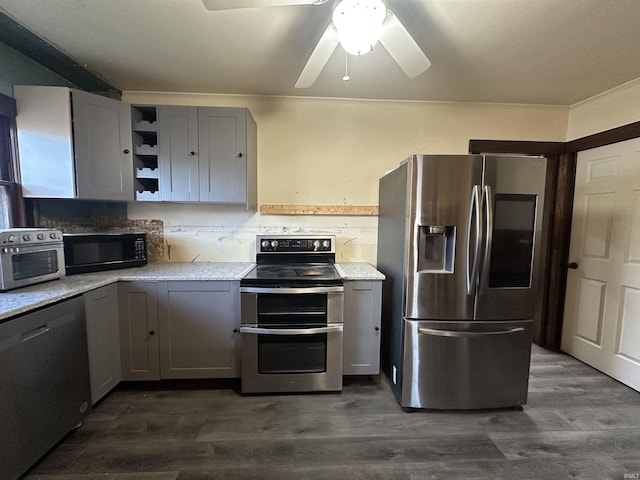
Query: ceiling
[554,52]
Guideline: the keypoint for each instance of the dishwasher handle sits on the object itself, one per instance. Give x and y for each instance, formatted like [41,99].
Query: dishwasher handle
[36,332]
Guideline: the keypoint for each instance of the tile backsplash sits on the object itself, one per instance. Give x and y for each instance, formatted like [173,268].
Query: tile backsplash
[73,216]
[204,233]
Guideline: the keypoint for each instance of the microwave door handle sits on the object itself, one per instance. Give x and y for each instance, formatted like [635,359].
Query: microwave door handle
[473,251]
[291,331]
[487,205]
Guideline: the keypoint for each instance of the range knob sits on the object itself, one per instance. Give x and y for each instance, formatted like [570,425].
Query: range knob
[26,237]
[11,238]
[264,243]
[40,236]
[316,244]
[52,235]
[326,244]
[274,243]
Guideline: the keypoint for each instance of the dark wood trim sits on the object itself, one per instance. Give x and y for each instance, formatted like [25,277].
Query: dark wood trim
[515,147]
[7,106]
[615,135]
[558,251]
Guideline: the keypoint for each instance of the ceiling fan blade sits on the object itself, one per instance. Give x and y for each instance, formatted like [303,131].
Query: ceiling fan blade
[402,47]
[233,4]
[319,57]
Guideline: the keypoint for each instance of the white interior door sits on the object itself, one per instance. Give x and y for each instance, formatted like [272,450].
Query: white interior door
[602,309]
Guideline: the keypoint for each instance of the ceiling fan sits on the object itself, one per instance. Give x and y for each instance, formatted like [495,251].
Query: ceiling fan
[357,25]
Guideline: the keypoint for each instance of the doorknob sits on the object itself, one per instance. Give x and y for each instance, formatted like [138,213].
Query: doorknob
[572,265]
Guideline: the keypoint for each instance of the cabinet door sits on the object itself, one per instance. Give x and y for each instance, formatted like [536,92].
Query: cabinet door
[362,313]
[102,147]
[222,138]
[45,138]
[178,153]
[103,339]
[138,308]
[199,324]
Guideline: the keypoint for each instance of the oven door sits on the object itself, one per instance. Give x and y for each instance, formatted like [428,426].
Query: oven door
[291,339]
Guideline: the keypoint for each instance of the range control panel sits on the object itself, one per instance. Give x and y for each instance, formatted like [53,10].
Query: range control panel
[297,244]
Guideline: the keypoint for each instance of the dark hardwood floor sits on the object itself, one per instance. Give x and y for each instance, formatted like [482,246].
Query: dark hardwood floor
[578,423]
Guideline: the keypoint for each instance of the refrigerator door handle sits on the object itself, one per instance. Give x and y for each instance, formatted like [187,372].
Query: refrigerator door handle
[487,205]
[459,333]
[473,253]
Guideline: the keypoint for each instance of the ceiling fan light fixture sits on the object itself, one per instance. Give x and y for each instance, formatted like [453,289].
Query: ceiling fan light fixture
[359,24]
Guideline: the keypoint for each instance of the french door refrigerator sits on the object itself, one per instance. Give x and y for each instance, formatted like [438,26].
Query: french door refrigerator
[460,242]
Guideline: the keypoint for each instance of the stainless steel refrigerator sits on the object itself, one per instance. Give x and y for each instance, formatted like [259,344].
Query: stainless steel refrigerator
[460,241]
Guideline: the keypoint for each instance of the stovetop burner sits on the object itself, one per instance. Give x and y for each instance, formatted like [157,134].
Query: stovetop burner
[304,273]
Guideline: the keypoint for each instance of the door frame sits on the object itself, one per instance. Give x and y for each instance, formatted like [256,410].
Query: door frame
[561,175]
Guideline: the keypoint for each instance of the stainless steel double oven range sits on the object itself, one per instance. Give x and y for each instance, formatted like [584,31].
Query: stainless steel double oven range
[292,316]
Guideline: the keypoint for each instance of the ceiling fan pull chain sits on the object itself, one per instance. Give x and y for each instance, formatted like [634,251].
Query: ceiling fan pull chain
[346,77]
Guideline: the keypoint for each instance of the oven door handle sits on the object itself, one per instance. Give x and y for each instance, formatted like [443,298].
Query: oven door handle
[291,331]
[277,291]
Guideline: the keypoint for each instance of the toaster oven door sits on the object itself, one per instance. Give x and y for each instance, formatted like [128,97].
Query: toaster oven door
[26,265]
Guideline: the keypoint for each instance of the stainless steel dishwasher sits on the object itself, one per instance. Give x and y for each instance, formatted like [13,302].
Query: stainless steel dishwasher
[44,382]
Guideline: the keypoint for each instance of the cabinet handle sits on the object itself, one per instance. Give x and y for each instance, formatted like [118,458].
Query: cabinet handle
[572,265]
[235,330]
[126,151]
[152,332]
[377,329]
[240,155]
[192,153]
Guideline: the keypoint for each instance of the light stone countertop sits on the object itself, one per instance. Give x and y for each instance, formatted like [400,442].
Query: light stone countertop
[22,300]
[358,271]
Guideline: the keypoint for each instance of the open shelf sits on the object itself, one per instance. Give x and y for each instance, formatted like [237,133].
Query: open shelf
[145,149]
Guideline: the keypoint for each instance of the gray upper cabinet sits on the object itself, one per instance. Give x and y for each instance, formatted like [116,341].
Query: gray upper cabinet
[73,144]
[207,154]
[227,140]
[178,153]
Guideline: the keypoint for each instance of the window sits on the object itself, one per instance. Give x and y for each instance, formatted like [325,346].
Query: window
[11,209]
[7,130]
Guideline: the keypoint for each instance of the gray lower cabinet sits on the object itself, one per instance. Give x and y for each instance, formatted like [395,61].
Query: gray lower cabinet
[73,144]
[139,345]
[103,339]
[362,316]
[199,323]
[179,329]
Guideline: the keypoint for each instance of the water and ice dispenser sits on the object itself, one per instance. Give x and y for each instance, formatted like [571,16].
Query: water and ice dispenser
[436,250]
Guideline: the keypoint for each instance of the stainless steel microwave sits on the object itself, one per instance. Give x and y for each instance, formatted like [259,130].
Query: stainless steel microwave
[92,252]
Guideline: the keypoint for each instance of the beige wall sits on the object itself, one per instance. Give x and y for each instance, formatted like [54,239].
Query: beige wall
[331,151]
[611,109]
